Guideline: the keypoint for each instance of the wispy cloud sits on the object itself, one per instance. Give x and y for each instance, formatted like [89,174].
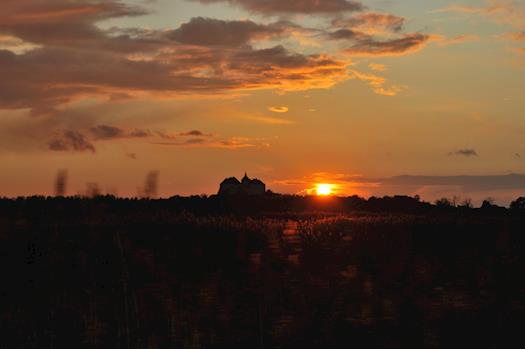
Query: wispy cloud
[267,120]
[456,40]
[377,67]
[378,84]
[465,152]
[230,143]
[281,109]
[504,12]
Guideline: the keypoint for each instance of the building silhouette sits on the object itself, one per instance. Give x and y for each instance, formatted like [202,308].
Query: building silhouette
[247,186]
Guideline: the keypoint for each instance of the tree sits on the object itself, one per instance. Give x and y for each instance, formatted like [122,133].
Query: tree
[443,202]
[518,204]
[467,203]
[487,203]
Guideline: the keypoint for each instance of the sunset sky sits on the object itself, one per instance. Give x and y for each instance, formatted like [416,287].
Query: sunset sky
[375,97]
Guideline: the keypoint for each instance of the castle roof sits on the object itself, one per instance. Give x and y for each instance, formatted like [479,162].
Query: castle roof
[231,180]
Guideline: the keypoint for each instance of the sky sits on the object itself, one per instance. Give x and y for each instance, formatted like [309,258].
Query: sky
[376,97]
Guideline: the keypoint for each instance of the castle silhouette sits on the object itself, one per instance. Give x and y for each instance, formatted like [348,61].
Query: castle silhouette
[247,186]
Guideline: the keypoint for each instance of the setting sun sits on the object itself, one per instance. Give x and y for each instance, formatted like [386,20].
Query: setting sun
[324,189]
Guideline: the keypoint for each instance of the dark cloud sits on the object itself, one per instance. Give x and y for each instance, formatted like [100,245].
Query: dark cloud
[215,32]
[467,183]
[72,58]
[365,30]
[293,6]
[71,140]
[465,152]
[107,132]
[62,22]
[192,133]
[408,43]
[80,60]
[195,133]
[347,34]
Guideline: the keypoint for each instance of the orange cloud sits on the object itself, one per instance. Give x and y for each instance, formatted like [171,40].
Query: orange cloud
[377,67]
[377,83]
[278,109]
[231,143]
[372,23]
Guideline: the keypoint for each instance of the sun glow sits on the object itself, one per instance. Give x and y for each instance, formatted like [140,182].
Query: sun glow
[323,189]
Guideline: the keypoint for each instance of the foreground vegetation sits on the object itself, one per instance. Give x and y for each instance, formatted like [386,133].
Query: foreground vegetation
[108,273]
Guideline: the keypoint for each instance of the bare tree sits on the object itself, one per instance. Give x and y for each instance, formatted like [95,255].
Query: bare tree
[467,203]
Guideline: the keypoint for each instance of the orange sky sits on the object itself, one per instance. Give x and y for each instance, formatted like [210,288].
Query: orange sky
[294,92]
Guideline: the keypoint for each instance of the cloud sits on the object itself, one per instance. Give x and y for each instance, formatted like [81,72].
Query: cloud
[377,67]
[215,32]
[372,23]
[465,152]
[503,12]
[268,120]
[467,183]
[195,133]
[460,39]
[85,61]
[498,11]
[377,34]
[519,36]
[270,7]
[347,34]
[231,143]
[175,136]
[107,132]
[132,156]
[16,45]
[378,84]
[53,53]
[407,44]
[71,140]
[278,109]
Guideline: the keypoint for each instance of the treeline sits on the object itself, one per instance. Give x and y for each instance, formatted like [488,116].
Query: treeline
[268,204]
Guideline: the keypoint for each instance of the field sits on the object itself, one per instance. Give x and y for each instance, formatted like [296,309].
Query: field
[92,275]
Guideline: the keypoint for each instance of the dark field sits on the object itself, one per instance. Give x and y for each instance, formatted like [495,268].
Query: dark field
[102,274]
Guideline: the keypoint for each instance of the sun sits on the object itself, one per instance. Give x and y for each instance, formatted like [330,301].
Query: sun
[324,189]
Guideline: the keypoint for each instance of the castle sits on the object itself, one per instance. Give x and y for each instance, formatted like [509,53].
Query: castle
[247,186]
